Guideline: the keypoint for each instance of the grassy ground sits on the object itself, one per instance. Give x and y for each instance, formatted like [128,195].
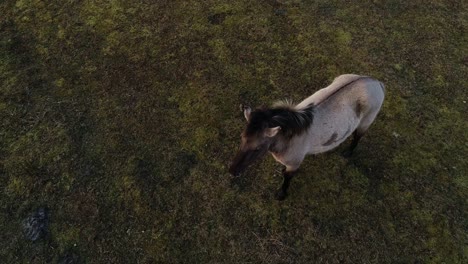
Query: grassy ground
[121,118]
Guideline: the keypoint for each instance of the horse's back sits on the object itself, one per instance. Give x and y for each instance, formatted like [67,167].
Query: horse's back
[352,107]
[324,93]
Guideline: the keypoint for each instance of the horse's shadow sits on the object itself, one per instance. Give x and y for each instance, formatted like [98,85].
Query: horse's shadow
[245,181]
[372,158]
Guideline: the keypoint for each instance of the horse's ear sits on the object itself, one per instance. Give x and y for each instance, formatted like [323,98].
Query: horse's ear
[247,110]
[272,131]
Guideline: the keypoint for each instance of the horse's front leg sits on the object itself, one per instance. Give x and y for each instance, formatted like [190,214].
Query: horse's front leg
[288,174]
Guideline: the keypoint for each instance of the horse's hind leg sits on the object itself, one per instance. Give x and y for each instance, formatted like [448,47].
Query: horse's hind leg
[368,109]
[288,174]
[357,135]
[360,131]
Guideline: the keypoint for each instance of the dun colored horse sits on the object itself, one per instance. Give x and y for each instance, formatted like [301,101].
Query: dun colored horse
[318,124]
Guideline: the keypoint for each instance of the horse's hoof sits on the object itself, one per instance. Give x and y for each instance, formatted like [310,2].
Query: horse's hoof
[280,195]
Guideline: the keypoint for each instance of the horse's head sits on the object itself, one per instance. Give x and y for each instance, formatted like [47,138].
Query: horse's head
[255,140]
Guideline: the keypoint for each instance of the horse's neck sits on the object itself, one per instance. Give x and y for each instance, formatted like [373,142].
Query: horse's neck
[280,145]
[303,141]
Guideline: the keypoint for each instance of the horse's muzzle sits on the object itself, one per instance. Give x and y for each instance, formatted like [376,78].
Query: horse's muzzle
[239,163]
[244,159]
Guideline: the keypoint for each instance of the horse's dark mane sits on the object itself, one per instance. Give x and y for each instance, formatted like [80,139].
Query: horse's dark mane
[291,121]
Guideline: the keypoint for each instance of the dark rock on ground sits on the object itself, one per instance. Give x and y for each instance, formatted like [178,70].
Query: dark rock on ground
[280,12]
[35,226]
[68,258]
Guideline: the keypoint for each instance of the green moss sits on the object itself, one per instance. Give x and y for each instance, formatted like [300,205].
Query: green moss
[17,187]
[343,38]
[67,238]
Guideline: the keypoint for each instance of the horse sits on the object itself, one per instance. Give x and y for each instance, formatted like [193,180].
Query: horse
[321,122]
